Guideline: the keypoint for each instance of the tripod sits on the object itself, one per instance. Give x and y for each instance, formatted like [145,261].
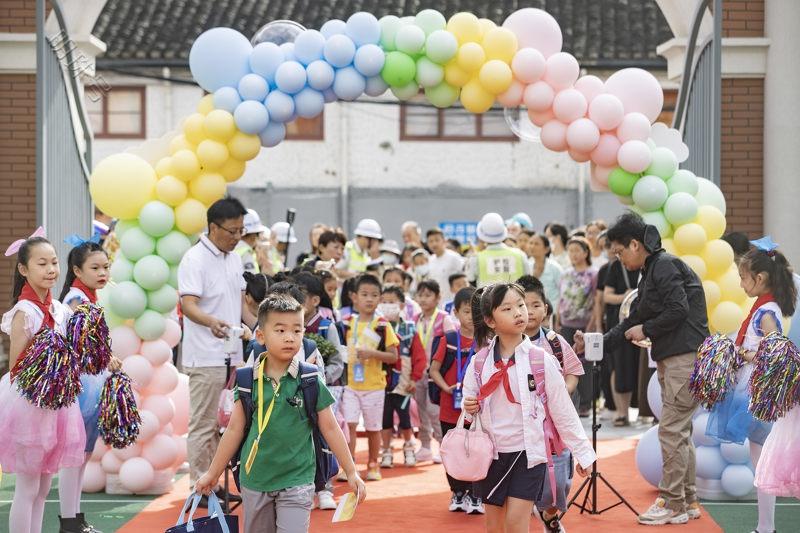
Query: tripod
[590,483]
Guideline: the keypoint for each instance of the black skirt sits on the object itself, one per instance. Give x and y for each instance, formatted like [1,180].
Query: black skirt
[510,477]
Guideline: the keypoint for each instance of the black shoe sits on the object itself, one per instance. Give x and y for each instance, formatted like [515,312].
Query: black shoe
[70,525]
[552,525]
[87,527]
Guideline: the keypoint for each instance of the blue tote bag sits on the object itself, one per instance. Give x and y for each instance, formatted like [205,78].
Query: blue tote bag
[216,522]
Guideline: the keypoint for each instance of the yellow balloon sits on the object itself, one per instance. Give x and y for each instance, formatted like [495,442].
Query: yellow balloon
[121,184]
[207,187]
[185,165]
[455,75]
[486,25]
[475,98]
[190,216]
[500,43]
[690,239]
[219,125]
[747,305]
[243,146]
[465,26]
[712,220]
[726,317]
[164,167]
[232,170]
[471,57]
[171,190]
[206,104]
[718,256]
[713,293]
[212,154]
[178,143]
[669,246]
[697,264]
[730,285]
[193,128]
[496,76]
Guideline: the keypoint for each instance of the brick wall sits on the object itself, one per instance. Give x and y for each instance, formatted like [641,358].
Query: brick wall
[17,16]
[742,18]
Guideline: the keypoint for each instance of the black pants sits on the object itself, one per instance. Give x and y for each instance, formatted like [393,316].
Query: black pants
[394,404]
[456,485]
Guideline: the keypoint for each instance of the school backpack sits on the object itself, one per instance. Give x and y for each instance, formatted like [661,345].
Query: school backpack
[326,464]
[451,338]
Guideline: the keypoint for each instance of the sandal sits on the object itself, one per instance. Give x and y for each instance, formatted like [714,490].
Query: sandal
[621,422]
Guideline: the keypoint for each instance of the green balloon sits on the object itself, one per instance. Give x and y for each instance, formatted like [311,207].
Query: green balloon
[136,244]
[650,193]
[172,246]
[156,218]
[398,69]
[128,300]
[173,277]
[633,207]
[150,326]
[121,269]
[664,163]
[406,92]
[683,181]
[680,208]
[709,194]
[430,20]
[151,272]
[429,74]
[657,219]
[621,182]
[163,300]
[443,95]
[441,46]
[112,319]
[123,226]
[389,26]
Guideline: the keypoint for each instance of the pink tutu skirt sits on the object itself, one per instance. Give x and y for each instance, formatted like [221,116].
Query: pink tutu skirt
[778,470]
[35,440]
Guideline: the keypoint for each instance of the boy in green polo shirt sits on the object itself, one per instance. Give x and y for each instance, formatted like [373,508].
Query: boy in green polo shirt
[277,476]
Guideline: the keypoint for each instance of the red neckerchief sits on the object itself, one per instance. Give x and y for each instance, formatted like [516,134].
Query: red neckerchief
[763,299]
[44,306]
[500,376]
[90,293]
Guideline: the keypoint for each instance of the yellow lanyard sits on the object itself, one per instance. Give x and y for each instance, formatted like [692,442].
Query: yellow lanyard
[262,420]
[426,336]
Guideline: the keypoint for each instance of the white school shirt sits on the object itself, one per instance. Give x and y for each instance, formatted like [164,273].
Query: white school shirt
[563,413]
[216,278]
[441,268]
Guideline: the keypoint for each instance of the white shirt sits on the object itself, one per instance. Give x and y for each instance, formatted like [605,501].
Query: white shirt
[216,279]
[441,268]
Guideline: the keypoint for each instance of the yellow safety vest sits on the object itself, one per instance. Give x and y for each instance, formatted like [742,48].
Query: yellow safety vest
[245,249]
[500,265]
[356,259]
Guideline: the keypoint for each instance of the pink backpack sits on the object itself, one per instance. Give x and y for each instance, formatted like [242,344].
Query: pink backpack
[467,453]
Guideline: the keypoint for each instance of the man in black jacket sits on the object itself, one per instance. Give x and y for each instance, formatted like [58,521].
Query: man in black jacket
[670,310]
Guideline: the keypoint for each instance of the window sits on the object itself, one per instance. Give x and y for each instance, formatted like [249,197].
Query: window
[307,129]
[117,112]
[420,121]
[667,112]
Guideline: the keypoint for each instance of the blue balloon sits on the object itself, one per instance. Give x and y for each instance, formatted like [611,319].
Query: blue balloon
[251,116]
[227,98]
[290,77]
[329,95]
[363,28]
[272,135]
[376,86]
[648,457]
[654,395]
[333,27]
[308,46]
[699,426]
[339,51]
[710,463]
[735,453]
[308,103]
[265,60]
[320,75]
[369,60]
[288,51]
[737,480]
[349,84]
[280,106]
[253,87]
[219,57]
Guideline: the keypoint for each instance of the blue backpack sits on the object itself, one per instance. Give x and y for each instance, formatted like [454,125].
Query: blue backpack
[327,466]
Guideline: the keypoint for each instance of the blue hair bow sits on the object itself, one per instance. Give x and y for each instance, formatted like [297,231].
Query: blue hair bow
[765,244]
[76,240]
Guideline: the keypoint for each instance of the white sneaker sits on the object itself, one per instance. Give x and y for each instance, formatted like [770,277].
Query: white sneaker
[437,459]
[693,510]
[475,506]
[659,514]
[374,474]
[326,501]
[409,457]
[424,454]
[387,460]
[458,502]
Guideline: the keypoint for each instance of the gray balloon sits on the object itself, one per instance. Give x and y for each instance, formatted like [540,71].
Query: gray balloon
[278,32]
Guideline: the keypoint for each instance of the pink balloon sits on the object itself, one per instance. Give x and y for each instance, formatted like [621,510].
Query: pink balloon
[578,157]
[94,479]
[123,454]
[638,90]
[124,341]
[161,452]
[634,156]
[168,429]
[582,136]
[513,95]
[569,105]
[139,369]
[554,136]
[590,86]
[111,463]
[149,426]
[606,111]
[172,335]
[538,96]
[161,406]
[535,28]
[157,352]
[528,65]
[605,154]
[100,450]
[562,70]
[596,185]
[600,173]
[165,379]
[180,399]
[136,474]
[540,118]
[180,443]
[634,127]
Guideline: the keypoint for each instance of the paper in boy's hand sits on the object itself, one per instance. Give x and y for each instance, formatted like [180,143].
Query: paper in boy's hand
[346,508]
[369,339]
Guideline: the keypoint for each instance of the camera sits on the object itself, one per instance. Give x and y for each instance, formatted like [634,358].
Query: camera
[593,343]
[232,339]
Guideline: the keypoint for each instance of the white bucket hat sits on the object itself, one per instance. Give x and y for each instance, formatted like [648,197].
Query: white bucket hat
[492,229]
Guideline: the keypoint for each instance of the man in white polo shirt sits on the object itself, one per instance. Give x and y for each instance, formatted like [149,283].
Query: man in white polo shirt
[211,288]
[442,263]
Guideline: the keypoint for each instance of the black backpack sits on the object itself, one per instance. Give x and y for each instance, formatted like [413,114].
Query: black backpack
[327,466]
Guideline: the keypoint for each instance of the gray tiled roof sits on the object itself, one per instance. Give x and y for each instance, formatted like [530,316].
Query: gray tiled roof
[601,33]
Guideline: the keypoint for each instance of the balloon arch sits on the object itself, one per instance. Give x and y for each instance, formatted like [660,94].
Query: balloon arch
[160,191]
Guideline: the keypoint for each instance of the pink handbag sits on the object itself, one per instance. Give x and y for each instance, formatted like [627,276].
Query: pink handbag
[467,453]
[225,404]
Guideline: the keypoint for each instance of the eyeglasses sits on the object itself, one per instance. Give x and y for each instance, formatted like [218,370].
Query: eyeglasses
[235,232]
[617,251]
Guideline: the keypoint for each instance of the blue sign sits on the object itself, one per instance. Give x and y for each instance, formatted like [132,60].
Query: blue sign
[463,232]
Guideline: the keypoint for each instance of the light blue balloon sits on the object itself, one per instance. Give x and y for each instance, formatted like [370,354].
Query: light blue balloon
[735,453]
[710,463]
[737,480]
[320,75]
[265,60]
[219,57]
[650,192]
[308,46]
[699,437]
[333,27]
[339,51]
[349,84]
[227,98]
[251,116]
[288,51]
[280,106]
[272,135]
[329,95]
[648,457]
[369,60]
[290,77]
[363,28]
[253,87]
[657,219]
[308,103]
[376,86]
